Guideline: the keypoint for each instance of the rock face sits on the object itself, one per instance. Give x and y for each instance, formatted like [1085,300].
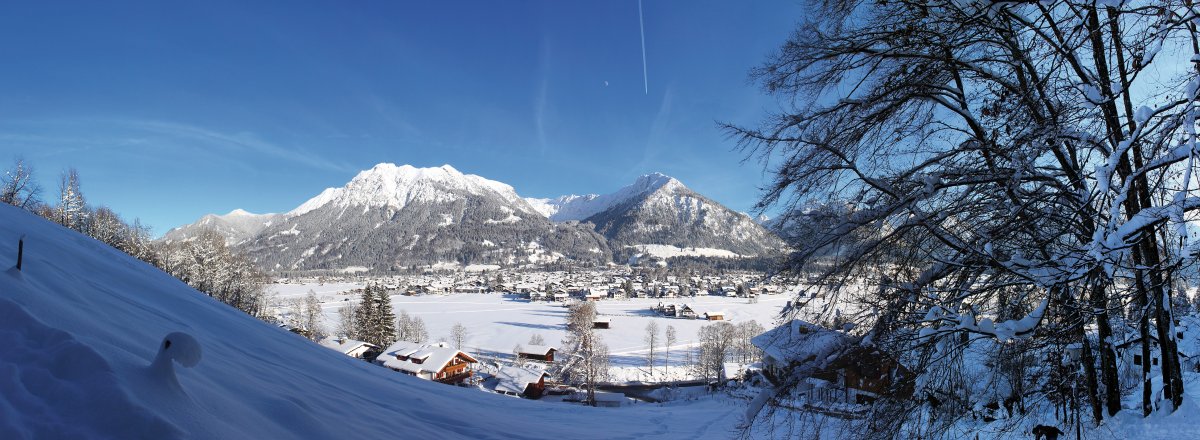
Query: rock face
[398,216]
[659,210]
[391,217]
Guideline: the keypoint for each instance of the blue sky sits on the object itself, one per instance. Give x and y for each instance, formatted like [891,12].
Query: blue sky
[170,110]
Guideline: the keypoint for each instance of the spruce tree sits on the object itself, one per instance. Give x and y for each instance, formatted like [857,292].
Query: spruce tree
[385,319]
[364,317]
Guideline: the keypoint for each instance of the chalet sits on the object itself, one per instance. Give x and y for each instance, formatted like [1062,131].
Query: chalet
[561,296]
[595,295]
[842,371]
[685,311]
[714,316]
[436,362]
[521,381]
[353,348]
[602,323]
[543,353]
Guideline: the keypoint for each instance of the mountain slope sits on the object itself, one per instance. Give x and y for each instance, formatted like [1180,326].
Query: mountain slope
[658,214]
[82,322]
[396,216]
[236,226]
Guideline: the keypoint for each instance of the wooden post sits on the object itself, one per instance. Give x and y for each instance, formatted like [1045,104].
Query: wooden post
[20,250]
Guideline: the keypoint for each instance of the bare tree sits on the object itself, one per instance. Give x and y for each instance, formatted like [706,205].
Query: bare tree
[671,338]
[999,158]
[17,186]
[536,339]
[588,355]
[651,339]
[346,323]
[458,335]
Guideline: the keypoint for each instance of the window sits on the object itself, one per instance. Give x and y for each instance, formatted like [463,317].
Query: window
[1137,359]
[1154,361]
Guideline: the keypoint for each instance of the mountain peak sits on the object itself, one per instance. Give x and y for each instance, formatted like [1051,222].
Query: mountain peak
[395,186]
[239,212]
[654,181]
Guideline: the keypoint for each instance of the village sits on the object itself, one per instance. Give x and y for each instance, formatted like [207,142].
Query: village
[516,322]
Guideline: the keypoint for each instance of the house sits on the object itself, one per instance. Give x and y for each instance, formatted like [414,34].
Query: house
[353,348]
[436,362]
[685,311]
[714,316]
[595,295]
[602,322]
[839,369]
[521,381]
[1129,352]
[543,353]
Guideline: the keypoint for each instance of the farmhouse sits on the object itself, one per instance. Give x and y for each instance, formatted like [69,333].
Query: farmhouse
[602,322]
[436,362]
[714,316]
[841,370]
[544,353]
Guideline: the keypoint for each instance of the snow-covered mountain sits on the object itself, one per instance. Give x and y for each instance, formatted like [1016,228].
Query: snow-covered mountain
[236,226]
[83,323]
[658,212]
[398,216]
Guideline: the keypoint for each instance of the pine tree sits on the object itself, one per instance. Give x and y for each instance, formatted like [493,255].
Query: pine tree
[364,317]
[385,320]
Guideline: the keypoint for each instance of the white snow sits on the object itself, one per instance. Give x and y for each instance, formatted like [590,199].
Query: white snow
[668,251]
[82,322]
[573,207]
[394,187]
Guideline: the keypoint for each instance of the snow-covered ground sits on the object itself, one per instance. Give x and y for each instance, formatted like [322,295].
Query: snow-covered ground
[82,322]
[500,322]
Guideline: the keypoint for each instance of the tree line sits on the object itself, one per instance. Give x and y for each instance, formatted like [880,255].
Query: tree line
[206,263]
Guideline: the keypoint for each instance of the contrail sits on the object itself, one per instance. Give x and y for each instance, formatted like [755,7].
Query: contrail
[642,26]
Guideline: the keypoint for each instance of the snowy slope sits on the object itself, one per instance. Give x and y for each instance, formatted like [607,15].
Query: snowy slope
[82,322]
[657,215]
[574,207]
[236,226]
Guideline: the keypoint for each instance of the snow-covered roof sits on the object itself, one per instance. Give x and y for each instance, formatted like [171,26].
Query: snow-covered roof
[344,345]
[800,341]
[432,357]
[1189,342]
[537,349]
[515,379]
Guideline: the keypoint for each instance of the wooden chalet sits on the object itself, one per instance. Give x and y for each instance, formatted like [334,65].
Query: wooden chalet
[436,362]
[602,323]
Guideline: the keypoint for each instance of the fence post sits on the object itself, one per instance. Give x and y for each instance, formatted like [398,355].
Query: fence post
[20,250]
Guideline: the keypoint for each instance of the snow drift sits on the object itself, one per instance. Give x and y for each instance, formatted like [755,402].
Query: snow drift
[82,325]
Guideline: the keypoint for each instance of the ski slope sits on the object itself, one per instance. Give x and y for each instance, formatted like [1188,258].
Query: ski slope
[81,324]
